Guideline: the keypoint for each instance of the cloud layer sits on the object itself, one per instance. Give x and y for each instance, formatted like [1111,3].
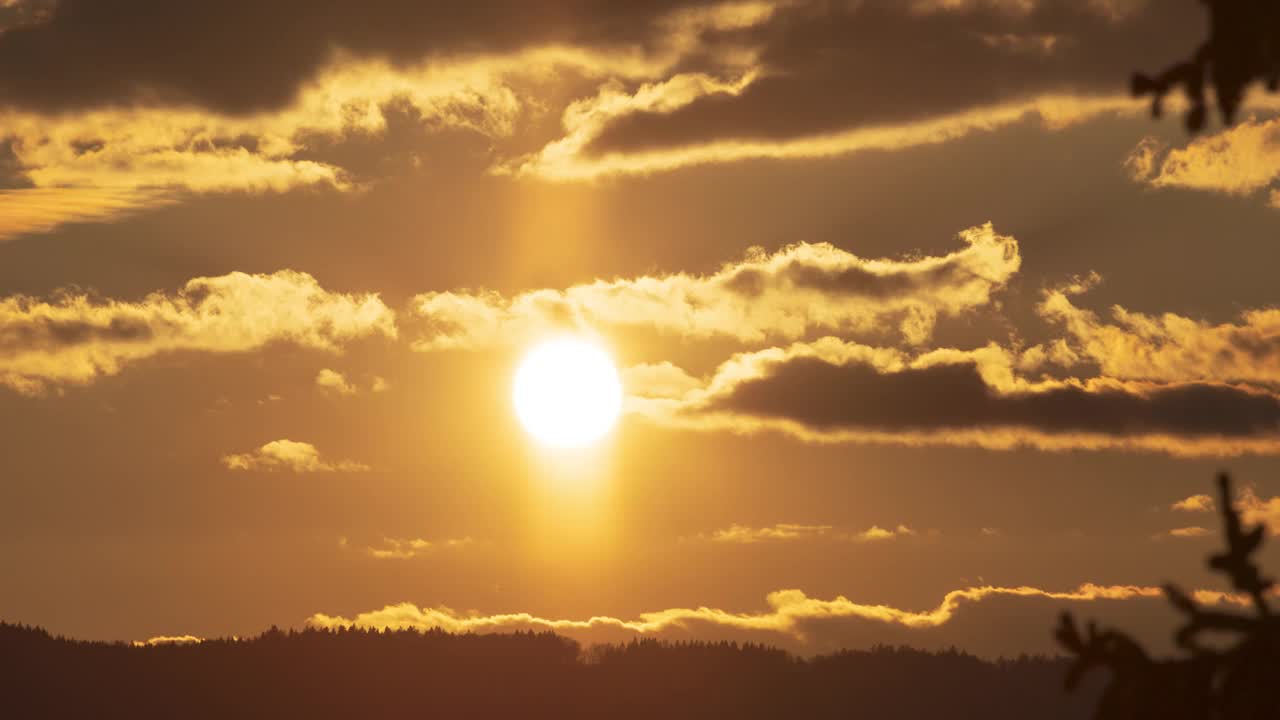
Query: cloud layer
[648,87]
[406,548]
[787,532]
[1167,384]
[802,289]
[130,115]
[808,625]
[132,44]
[835,391]
[834,78]
[74,338]
[102,162]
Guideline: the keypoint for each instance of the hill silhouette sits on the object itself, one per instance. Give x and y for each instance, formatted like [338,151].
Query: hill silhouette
[320,674]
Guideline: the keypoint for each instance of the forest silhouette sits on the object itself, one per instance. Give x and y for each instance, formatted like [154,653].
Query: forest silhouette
[356,673]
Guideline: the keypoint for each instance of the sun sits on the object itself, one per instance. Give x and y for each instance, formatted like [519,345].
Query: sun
[567,393]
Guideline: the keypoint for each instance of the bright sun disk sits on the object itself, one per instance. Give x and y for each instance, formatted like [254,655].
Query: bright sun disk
[567,393]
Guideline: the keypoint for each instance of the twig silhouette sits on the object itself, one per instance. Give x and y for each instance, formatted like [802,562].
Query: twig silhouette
[1243,48]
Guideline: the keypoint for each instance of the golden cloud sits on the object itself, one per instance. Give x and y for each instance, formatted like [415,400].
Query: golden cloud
[791,618]
[798,290]
[1193,531]
[30,210]
[1168,347]
[1194,503]
[787,608]
[1238,161]
[74,338]
[168,640]
[875,532]
[334,381]
[289,455]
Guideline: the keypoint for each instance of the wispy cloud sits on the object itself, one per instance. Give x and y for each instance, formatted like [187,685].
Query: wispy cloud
[1193,531]
[406,548]
[744,534]
[789,532]
[32,210]
[573,157]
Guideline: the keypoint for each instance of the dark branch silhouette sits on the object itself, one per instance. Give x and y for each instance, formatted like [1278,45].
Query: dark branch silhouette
[1243,48]
[1236,677]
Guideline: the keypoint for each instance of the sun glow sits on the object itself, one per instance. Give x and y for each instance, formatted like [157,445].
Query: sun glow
[567,393]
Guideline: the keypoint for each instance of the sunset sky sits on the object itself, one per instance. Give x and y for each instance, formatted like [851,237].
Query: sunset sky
[926,330]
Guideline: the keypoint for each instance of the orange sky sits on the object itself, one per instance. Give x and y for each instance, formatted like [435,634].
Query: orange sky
[926,331]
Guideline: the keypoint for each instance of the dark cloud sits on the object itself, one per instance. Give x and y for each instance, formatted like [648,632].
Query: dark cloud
[16,13]
[833,68]
[831,397]
[241,55]
[46,333]
[11,170]
[860,281]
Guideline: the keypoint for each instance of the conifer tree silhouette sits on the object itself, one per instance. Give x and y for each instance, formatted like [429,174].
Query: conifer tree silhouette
[1235,681]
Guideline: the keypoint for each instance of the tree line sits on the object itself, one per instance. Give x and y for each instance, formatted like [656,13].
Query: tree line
[356,673]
